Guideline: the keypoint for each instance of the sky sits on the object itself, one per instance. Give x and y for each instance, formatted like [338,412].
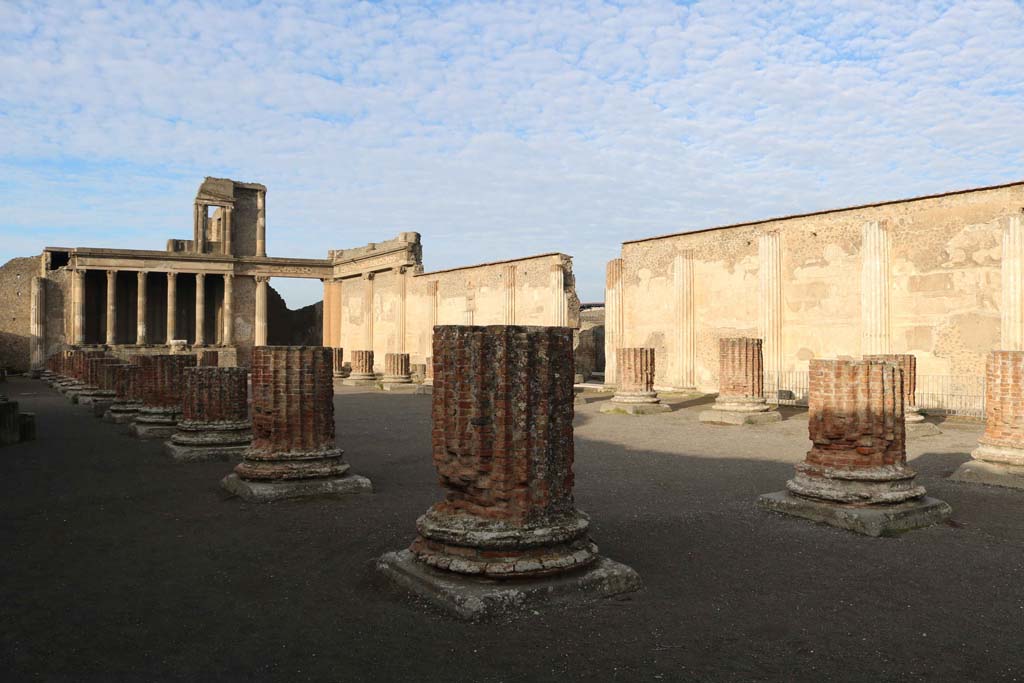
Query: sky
[494,129]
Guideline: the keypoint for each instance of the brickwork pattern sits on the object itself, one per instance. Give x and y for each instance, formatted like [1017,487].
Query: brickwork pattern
[209,358]
[907,362]
[503,449]
[740,368]
[161,380]
[1004,400]
[635,367]
[338,359]
[94,368]
[362,362]
[396,364]
[126,382]
[292,415]
[108,375]
[215,395]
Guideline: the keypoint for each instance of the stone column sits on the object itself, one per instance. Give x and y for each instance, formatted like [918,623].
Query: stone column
[37,326]
[161,385]
[684,341]
[907,362]
[429,381]
[200,309]
[367,311]
[261,310]
[214,417]
[875,285]
[770,294]
[326,333]
[293,453]
[1012,271]
[201,228]
[855,476]
[999,458]
[111,307]
[339,328]
[228,211]
[228,335]
[338,362]
[614,329]
[78,296]
[509,278]
[140,308]
[261,223]
[172,307]
[634,392]
[362,369]
[127,398]
[507,511]
[559,305]
[396,370]
[741,385]
[403,279]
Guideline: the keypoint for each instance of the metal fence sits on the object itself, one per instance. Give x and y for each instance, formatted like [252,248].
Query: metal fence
[937,394]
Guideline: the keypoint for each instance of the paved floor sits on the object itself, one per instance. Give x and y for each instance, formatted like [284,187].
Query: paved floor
[118,564]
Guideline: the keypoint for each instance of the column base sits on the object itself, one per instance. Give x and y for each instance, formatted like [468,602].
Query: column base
[359,380]
[919,429]
[270,491]
[728,417]
[119,417]
[871,520]
[155,423]
[630,408]
[407,387]
[424,390]
[211,453]
[101,406]
[472,598]
[991,473]
[206,441]
[90,395]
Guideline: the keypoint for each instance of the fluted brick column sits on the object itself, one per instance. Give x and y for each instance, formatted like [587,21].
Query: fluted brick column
[740,385]
[215,415]
[907,362]
[396,369]
[162,385]
[508,509]
[999,457]
[855,476]
[209,359]
[105,382]
[362,369]
[127,393]
[634,390]
[338,362]
[79,381]
[293,451]
[92,391]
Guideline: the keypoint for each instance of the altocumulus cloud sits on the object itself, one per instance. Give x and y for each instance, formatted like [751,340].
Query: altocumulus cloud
[495,129]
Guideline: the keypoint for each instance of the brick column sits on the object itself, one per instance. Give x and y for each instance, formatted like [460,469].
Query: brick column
[338,364]
[162,384]
[293,451]
[634,392]
[508,508]
[999,457]
[907,362]
[855,476]
[740,385]
[396,369]
[362,369]
[209,358]
[92,391]
[127,396]
[79,383]
[214,417]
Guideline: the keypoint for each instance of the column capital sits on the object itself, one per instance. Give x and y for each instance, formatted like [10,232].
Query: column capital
[368,276]
[171,275]
[111,272]
[200,276]
[229,276]
[261,278]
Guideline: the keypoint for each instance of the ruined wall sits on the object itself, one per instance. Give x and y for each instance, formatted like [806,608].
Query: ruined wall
[536,290]
[15,283]
[937,273]
[287,327]
[588,341]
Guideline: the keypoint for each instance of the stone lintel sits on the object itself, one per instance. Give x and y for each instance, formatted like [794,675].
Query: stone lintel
[471,598]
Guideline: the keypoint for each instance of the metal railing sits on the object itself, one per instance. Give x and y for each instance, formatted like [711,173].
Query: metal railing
[937,394]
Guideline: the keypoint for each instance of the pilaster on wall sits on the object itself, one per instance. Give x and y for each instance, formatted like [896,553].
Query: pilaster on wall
[339,313]
[614,320]
[1012,308]
[559,307]
[509,278]
[368,311]
[403,288]
[875,284]
[684,342]
[769,254]
[326,314]
[37,321]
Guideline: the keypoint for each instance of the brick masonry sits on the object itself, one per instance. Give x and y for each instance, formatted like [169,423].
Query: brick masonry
[396,367]
[857,433]
[161,379]
[636,370]
[338,356]
[209,358]
[502,443]
[740,368]
[907,362]
[215,395]
[1003,440]
[362,363]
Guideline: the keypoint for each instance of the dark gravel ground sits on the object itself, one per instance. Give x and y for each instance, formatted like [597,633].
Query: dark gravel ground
[121,565]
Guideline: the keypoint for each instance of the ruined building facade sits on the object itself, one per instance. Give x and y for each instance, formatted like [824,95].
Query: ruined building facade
[212,291]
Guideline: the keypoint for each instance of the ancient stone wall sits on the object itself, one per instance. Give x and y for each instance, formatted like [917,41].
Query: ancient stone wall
[921,276]
[16,283]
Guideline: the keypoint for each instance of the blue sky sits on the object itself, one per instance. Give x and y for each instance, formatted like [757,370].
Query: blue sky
[494,129]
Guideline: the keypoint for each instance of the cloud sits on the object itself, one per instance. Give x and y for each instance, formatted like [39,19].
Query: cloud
[494,129]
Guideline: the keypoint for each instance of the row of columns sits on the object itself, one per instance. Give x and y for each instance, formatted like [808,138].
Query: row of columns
[141,337]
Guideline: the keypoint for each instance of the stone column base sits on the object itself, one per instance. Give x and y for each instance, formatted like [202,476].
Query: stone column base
[407,387]
[991,473]
[155,423]
[121,412]
[729,417]
[870,520]
[268,491]
[629,408]
[359,380]
[90,395]
[472,598]
[101,406]
[919,429]
[424,390]
[199,442]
